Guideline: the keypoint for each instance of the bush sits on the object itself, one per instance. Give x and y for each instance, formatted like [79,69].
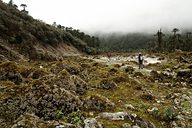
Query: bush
[169,114]
[165,114]
[75,118]
[59,114]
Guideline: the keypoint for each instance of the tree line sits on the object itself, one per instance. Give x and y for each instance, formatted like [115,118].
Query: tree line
[91,41]
[177,40]
[160,41]
[11,3]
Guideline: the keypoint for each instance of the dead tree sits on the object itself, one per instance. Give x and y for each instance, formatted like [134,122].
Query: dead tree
[160,39]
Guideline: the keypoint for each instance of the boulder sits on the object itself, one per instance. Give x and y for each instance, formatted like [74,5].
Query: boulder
[143,123]
[130,107]
[98,103]
[129,69]
[126,125]
[107,84]
[125,116]
[92,123]
[113,116]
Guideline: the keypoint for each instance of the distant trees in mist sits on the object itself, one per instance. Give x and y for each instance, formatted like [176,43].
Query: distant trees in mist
[141,41]
[180,41]
[125,43]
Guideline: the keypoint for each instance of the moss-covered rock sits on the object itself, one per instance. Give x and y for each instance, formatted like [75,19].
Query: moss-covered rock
[80,85]
[38,98]
[32,121]
[97,103]
[73,69]
[129,69]
[10,71]
[148,97]
[38,73]
[107,84]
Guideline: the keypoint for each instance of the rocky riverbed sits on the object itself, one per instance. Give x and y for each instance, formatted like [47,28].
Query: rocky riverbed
[97,92]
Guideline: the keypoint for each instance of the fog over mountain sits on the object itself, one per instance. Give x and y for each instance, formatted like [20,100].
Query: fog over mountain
[113,15]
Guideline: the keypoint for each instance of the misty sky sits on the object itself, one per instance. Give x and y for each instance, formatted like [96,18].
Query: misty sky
[113,15]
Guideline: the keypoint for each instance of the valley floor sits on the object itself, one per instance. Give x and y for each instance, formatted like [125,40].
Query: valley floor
[97,91]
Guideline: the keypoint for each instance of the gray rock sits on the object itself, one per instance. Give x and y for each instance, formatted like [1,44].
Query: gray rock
[92,123]
[126,125]
[60,126]
[144,124]
[113,116]
[66,125]
[129,106]
[3,58]
[135,126]
[141,123]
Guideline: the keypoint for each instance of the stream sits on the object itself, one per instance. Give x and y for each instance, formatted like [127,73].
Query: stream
[125,61]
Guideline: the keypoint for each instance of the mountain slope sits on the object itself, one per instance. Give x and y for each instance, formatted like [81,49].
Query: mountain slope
[27,36]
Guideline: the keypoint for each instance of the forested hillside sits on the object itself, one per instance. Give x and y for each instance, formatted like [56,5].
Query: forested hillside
[124,42]
[24,34]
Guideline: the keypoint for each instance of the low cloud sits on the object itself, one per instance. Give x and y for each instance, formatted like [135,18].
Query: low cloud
[113,15]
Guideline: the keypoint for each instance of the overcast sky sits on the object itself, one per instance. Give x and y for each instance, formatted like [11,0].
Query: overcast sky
[113,15]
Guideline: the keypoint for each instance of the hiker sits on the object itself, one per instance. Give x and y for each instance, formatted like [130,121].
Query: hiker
[109,55]
[140,60]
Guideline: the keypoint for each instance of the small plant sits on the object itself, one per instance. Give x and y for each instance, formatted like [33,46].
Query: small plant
[59,114]
[75,118]
[169,114]
[155,113]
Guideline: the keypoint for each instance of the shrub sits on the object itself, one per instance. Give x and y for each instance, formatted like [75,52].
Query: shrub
[169,114]
[75,118]
[59,114]
[165,114]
